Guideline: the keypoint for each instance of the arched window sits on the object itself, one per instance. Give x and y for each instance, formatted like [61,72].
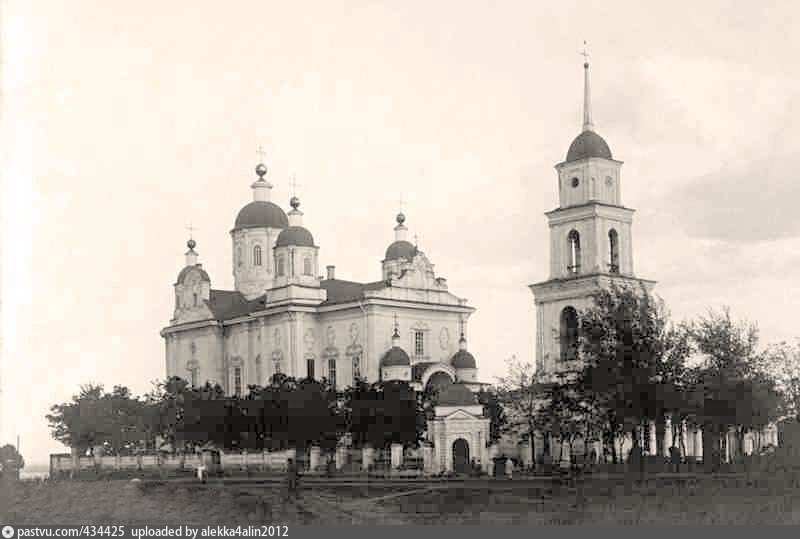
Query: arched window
[237,381]
[356,369]
[310,368]
[307,266]
[574,253]
[195,299]
[613,245]
[419,343]
[332,371]
[257,255]
[569,334]
[239,258]
[281,266]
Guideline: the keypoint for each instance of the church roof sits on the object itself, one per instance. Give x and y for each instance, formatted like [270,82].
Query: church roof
[588,144]
[261,213]
[456,395]
[395,357]
[340,291]
[296,236]
[401,249]
[229,304]
[203,275]
[463,360]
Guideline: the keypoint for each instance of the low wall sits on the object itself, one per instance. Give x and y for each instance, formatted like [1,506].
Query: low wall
[66,464]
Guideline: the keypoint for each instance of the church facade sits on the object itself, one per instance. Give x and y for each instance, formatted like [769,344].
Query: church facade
[283,317]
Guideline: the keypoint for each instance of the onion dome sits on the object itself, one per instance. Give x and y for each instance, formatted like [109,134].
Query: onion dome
[463,360]
[396,356]
[456,395]
[261,213]
[191,263]
[295,235]
[588,144]
[185,271]
[401,248]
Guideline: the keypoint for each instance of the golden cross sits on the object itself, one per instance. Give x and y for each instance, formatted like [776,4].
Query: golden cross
[584,53]
[401,202]
[191,229]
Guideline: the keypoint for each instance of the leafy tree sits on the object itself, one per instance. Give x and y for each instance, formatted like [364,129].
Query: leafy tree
[781,363]
[520,393]
[633,361]
[498,421]
[11,461]
[96,418]
[384,413]
[564,412]
[732,389]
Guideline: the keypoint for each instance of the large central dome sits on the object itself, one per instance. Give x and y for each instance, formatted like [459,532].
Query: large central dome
[261,213]
[588,144]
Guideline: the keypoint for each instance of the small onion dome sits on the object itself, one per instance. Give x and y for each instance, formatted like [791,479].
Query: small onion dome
[203,275]
[463,360]
[296,236]
[191,244]
[261,170]
[294,202]
[588,144]
[395,357]
[261,213]
[456,395]
[401,249]
[401,218]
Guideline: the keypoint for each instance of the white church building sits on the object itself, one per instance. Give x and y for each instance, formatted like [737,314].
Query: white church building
[283,317]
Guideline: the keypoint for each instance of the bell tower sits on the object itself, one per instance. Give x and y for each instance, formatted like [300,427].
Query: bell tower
[590,242]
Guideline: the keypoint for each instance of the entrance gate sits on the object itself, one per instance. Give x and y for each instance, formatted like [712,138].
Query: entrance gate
[461,456]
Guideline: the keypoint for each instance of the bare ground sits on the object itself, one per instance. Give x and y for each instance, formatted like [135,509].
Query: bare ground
[123,502]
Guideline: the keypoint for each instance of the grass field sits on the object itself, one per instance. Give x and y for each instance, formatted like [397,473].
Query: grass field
[600,502]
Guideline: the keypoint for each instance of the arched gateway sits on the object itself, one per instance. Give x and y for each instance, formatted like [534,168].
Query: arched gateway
[461,456]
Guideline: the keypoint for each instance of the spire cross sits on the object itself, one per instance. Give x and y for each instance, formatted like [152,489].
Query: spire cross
[261,153]
[395,322]
[584,53]
[295,185]
[401,202]
[191,229]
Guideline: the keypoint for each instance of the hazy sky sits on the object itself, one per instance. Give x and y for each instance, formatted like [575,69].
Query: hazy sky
[123,121]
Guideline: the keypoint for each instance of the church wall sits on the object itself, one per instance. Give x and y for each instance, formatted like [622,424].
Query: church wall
[338,335]
[249,279]
[549,318]
[206,354]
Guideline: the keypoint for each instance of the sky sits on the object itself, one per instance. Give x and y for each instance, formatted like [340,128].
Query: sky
[122,122]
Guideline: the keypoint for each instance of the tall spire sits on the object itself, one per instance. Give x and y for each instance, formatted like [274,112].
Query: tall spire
[587,102]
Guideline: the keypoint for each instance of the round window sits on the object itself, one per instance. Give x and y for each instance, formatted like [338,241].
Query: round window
[575,182]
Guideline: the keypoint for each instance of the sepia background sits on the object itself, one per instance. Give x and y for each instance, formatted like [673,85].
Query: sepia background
[123,122]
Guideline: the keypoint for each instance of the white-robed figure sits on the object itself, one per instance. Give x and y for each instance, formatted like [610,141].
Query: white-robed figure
[509,468]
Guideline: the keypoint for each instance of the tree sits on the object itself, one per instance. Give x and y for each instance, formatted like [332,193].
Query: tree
[11,462]
[520,393]
[633,361]
[733,390]
[564,412]
[492,408]
[781,363]
[384,413]
[96,418]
